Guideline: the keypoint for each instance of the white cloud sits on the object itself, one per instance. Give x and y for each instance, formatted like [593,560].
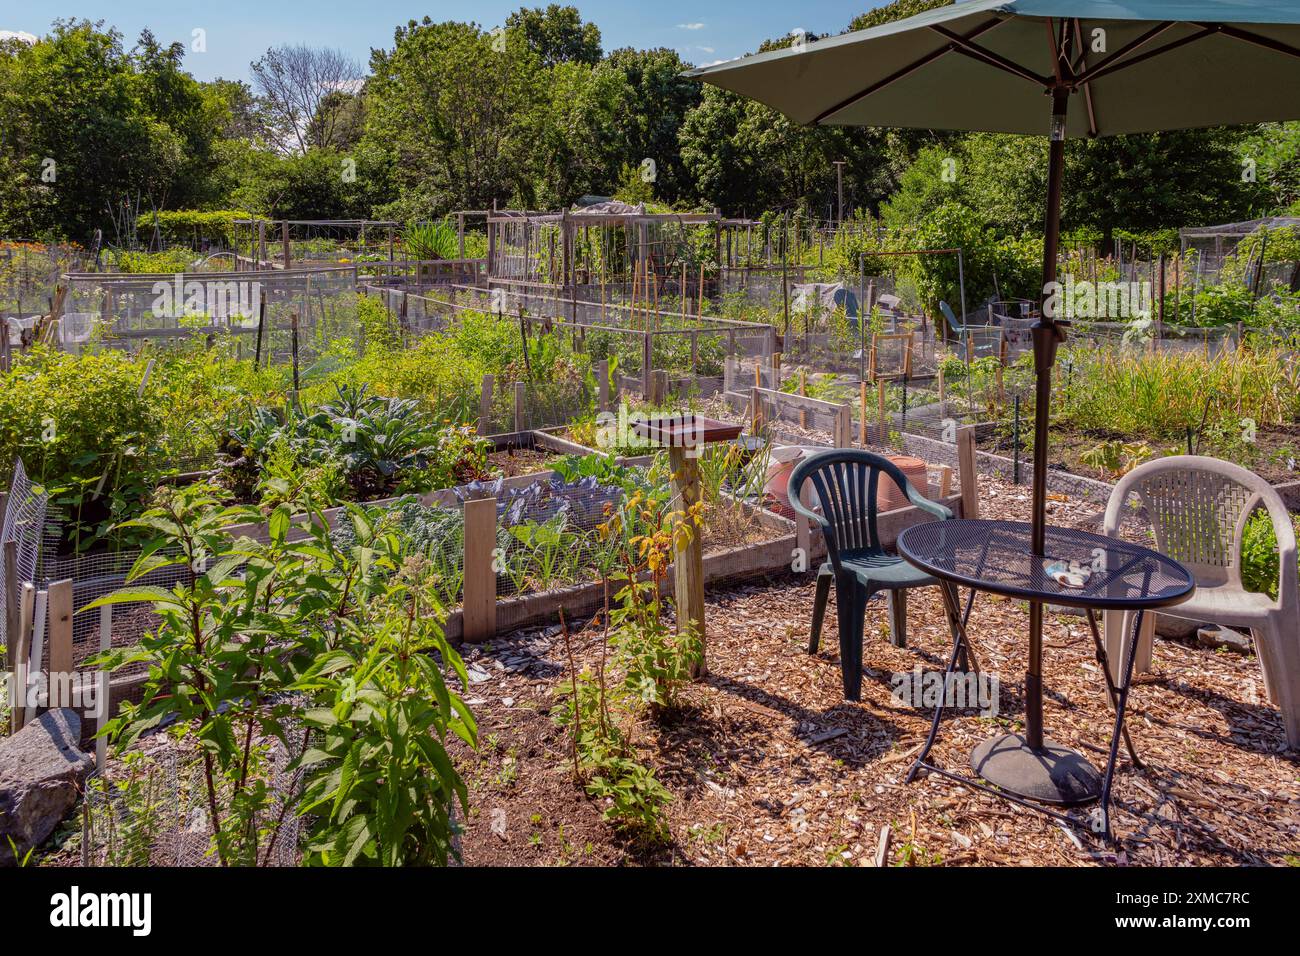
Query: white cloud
[17,35]
[691,26]
[705,49]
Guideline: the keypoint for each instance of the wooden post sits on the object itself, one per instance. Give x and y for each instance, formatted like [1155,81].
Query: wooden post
[945,480]
[844,427]
[940,384]
[803,392]
[284,237]
[485,405]
[480,588]
[862,414]
[26,616]
[647,363]
[261,244]
[755,411]
[105,697]
[966,473]
[520,395]
[884,423]
[60,597]
[602,381]
[293,333]
[659,387]
[688,565]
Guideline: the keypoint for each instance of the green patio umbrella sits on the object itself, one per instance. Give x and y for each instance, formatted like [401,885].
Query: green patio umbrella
[1013,66]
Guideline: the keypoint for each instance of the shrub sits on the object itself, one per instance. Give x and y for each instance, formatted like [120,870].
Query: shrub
[83,430]
[354,628]
[1260,571]
[191,225]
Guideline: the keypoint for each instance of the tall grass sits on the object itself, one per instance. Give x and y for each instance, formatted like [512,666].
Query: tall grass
[1159,396]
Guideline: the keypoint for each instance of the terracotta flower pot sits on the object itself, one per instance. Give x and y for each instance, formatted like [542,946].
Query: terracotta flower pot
[889,497]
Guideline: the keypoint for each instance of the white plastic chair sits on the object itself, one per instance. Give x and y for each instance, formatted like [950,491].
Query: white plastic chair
[1198,508]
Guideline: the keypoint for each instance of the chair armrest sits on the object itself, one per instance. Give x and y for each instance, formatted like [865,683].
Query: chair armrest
[942,512]
[796,503]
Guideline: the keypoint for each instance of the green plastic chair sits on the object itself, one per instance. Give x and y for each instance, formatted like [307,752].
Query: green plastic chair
[860,567]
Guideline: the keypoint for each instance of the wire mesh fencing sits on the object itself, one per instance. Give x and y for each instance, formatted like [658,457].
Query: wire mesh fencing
[153,810]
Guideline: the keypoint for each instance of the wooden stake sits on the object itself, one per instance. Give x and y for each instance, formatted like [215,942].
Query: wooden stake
[105,687]
[26,615]
[862,414]
[803,391]
[884,424]
[485,405]
[480,576]
[966,473]
[688,565]
[60,614]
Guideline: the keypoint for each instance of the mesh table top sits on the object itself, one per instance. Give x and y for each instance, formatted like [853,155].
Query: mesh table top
[996,556]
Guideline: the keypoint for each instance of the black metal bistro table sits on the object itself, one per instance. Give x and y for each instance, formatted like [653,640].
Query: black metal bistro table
[1077,569]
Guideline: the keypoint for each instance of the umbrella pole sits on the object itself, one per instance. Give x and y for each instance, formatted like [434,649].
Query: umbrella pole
[1031,766]
[1047,335]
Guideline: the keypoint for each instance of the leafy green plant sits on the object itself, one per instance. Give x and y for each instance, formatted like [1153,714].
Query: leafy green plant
[431,240]
[1260,570]
[84,431]
[1116,458]
[381,785]
[352,625]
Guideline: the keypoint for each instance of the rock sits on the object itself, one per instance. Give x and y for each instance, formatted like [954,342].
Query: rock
[41,773]
[1216,636]
[1174,628]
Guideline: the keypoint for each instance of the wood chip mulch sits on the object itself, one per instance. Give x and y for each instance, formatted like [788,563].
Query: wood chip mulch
[768,765]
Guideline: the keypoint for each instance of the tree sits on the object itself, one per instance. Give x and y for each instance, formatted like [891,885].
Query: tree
[301,87]
[557,34]
[89,126]
[578,142]
[655,100]
[457,110]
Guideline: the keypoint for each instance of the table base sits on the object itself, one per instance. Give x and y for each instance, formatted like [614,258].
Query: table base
[1020,774]
[1050,774]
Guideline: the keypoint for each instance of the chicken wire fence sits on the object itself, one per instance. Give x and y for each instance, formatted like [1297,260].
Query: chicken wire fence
[304,309]
[153,810]
[30,271]
[44,532]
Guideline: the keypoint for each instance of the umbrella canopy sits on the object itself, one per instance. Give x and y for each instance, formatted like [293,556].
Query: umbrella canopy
[985,65]
[1055,67]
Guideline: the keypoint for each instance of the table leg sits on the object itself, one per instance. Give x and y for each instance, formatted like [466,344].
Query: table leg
[1129,655]
[1103,661]
[960,652]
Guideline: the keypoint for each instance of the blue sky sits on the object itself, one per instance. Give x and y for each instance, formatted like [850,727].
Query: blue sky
[239,31]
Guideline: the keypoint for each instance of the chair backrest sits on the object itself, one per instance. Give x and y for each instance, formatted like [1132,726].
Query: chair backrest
[1199,507]
[946,309]
[846,482]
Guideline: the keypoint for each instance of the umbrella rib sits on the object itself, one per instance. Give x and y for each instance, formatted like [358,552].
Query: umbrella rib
[1082,61]
[1246,36]
[977,52]
[899,74]
[1109,65]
